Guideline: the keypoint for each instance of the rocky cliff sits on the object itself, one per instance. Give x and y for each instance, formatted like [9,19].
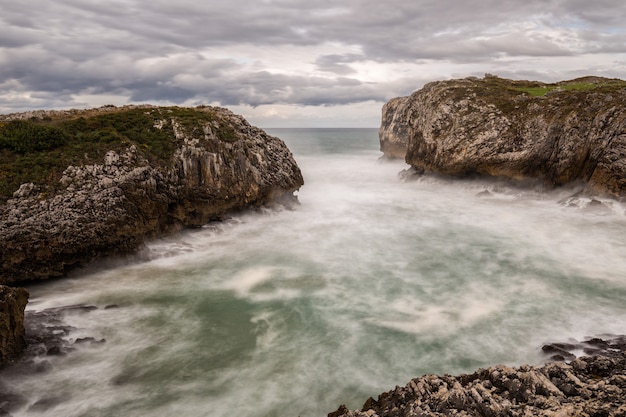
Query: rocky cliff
[134,173]
[554,133]
[12,304]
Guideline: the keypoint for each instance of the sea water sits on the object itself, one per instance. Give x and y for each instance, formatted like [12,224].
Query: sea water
[371,281]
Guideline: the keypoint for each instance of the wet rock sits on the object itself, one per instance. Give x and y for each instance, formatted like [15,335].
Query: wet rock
[48,339]
[559,351]
[491,127]
[48,336]
[611,345]
[12,333]
[588,386]
[89,341]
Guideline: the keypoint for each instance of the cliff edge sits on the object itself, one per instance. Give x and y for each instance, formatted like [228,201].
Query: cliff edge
[567,132]
[81,185]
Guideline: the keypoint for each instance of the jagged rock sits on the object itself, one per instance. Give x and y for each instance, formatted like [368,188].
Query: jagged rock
[115,205]
[12,304]
[494,127]
[589,386]
[47,335]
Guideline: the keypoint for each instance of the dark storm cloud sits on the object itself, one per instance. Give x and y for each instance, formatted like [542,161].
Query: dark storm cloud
[192,51]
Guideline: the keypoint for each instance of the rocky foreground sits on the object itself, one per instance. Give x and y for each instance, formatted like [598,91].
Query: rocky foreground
[590,386]
[552,134]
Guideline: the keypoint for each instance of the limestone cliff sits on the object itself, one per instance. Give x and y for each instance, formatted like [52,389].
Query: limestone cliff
[199,164]
[555,133]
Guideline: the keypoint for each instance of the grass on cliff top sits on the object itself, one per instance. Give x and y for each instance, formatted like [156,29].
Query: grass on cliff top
[39,150]
[581,84]
[505,94]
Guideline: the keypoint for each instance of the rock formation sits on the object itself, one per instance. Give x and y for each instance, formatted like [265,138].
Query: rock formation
[568,132]
[218,163]
[12,304]
[587,387]
[394,129]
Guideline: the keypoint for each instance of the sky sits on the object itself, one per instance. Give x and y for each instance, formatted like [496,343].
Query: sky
[292,63]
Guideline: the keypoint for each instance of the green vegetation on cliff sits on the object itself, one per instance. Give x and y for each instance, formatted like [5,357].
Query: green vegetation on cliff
[579,84]
[38,149]
[508,95]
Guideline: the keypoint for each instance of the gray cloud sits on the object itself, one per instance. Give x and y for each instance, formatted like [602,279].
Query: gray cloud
[190,51]
[338,64]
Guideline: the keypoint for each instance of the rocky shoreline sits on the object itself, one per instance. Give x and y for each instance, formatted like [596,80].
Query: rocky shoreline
[524,131]
[46,336]
[588,386]
[151,172]
[218,164]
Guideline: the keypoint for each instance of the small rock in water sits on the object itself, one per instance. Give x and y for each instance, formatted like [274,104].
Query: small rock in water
[612,346]
[90,340]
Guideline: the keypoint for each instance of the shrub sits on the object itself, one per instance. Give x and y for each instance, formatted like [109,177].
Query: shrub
[24,136]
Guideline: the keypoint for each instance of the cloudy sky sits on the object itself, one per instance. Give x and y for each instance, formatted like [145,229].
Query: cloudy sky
[290,63]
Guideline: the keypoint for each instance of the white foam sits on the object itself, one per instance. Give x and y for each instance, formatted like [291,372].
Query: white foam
[369,282]
[245,281]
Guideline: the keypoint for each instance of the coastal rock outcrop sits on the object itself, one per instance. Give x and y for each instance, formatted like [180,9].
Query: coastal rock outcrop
[213,162]
[12,334]
[394,129]
[568,132]
[589,386]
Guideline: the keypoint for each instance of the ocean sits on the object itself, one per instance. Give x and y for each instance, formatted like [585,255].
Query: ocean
[371,281]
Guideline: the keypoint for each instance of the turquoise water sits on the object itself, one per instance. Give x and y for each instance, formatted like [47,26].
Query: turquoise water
[370,282]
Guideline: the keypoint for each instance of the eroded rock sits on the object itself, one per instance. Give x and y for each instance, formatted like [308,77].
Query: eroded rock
[494,127]
[114,206]
[587,386]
